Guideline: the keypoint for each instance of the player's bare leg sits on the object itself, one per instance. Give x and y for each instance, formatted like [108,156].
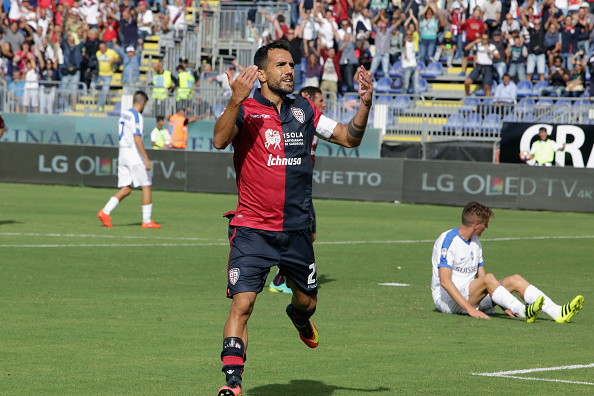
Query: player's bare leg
[300,311]
[235,341]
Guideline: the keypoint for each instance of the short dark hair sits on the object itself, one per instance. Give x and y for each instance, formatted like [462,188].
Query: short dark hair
[473,211]
[261,56]
[160,118]
[180,67]
[140,97]
[310,92]
[557,57]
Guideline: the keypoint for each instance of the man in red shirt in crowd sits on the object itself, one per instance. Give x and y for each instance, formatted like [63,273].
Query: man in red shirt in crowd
[474,28]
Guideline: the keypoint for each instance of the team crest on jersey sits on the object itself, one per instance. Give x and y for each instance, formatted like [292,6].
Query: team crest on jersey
[273,138]
[233,275]
[444,252]
[299,114]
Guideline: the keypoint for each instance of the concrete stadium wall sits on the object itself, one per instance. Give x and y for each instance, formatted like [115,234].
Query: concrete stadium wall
[415,181]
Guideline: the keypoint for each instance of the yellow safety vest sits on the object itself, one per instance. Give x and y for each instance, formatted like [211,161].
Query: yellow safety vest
[186,84]
[162,137]
[544,152]
[161,83]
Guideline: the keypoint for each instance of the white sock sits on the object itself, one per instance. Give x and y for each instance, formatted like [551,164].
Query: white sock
[111,205]
[549,307]
[147,211]
[505,299]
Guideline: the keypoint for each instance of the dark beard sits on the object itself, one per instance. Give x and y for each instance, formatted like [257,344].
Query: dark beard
[278,88]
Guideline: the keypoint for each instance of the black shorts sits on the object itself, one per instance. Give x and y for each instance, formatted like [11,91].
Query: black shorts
[466,52]
[482,72]
[254,252]
[312,219]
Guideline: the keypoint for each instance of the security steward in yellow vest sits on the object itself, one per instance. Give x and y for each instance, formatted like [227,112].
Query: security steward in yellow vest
[178,128]
[162,82]
[186,83]
[543,150]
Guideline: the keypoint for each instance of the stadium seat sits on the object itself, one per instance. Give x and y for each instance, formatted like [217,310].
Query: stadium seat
[383,85]
[469,105]
[383,99]
[117,110]
[491,123]
[401,103]
[434,69]
[511,117]
[561,107]
[537,86]
[525,106]
[423,86]
[544,102]
[524,89]
[454,123]
[396,69]
[473,122]
[421,67]
[396,86]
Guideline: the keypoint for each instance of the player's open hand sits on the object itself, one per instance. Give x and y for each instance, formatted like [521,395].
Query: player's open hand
[365,86]
[243,84]
[478,314]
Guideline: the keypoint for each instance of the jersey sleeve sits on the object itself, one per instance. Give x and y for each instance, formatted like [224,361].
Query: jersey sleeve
[481,262]
[137,124]
[447,255]
[240,118]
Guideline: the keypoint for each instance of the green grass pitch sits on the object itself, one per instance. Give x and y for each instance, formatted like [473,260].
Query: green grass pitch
[86,310]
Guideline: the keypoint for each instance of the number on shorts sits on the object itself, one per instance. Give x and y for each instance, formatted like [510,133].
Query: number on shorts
[311,279]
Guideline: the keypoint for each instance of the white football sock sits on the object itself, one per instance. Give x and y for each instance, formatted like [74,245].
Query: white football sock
[505,299]
[111,205]
[147,211]
[549,307]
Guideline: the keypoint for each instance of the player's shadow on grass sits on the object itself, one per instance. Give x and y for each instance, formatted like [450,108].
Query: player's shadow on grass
[8,222]
[307,387]
[322,279]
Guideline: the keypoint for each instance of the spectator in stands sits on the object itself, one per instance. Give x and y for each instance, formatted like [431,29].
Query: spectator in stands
[279,23]
[445,24]
[474,28]
[377,6]
[163,85]
[383,35]
[396,40]
[508,26]
[328,30]
[552,43]
[7,65]
[499,64]
[22,56]
[106,57]
[309,29]
[362,24]
[90,11]
[109,30]
[591,67]
[516,58]
[409,64]
[177,15]
[458,10]
[128,31]
[330,71]
[185,86]
[263,39]
[349,62]
[295,39]
[536,47]
[31,94]
[586,20]
[492,15]
[14,37]
[576,85]
[552,13]
[165,32]
[345,28]
[569,42]
[131,72]
[16,88]
[428,25]
[70,71]
[144,20]
[485,54]
[89,64]
[224,80]
[47,90]
[558,78]
[313,71]
[448,48]
[506,93]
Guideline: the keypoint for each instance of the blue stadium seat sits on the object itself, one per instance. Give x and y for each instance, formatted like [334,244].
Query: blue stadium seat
[434,69]
[396,86]
[537,86]
[469,105]
[401,103]
[525,106]
[383,99]
[396,69]
[423,86]
[117,110]
[383,85]
[473,121]
[544,102]
[491,123]
[524,89]
[454,122]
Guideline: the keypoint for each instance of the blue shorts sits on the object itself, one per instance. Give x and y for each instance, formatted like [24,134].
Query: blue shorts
[254,252]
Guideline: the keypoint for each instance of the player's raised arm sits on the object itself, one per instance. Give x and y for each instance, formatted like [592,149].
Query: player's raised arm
[350,135]
[225,129]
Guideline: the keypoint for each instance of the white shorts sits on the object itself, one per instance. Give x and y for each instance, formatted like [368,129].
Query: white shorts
[131,172]
[31,97]
[446,304]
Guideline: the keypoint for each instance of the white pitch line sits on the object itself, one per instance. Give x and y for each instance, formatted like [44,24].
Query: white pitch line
[116,245]
[107,236]
[394,284]
[510,374]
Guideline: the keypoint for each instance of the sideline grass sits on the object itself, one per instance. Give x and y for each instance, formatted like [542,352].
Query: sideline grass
[122,312]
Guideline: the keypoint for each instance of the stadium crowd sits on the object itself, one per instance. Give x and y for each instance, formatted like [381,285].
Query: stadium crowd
[72,42]
[76,42]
